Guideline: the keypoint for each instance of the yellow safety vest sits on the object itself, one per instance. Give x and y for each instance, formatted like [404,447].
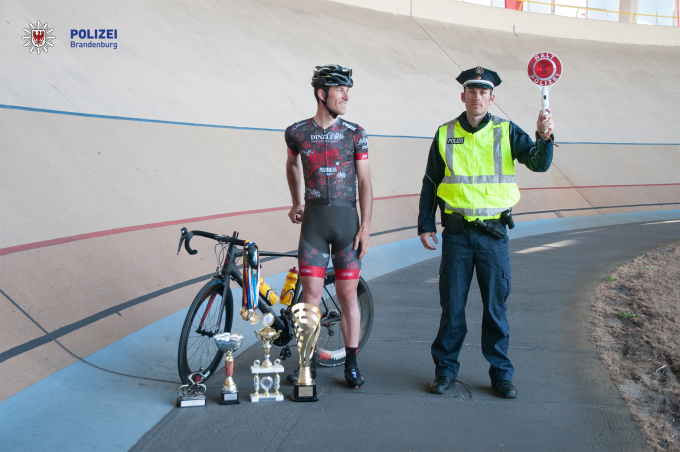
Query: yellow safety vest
[479,180]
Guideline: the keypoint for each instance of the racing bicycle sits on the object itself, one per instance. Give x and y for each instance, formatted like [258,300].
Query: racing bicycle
[212,311]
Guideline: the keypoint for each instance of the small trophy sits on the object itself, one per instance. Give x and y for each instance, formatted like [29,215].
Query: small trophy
[306,318]
[229,343]
[267,335]
[193,394]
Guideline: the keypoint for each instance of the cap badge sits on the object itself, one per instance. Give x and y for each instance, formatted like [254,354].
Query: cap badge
[479,70]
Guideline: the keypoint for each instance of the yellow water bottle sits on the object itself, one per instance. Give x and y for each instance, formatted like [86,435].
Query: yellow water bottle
[268,293]
[289,287]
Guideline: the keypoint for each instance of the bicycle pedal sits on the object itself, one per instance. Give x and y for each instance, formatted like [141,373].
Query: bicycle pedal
[285,353]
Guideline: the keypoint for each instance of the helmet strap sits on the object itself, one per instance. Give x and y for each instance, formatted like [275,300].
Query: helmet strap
[332,113]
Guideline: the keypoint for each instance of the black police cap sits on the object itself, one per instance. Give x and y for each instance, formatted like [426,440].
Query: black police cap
[479,77]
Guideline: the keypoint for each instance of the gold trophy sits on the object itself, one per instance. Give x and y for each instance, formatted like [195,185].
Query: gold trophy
[306,318]
[267,335]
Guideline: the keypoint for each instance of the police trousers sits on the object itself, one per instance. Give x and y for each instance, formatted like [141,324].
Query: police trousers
[463,252]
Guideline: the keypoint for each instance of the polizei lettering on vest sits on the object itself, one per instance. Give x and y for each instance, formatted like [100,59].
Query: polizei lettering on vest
[459,140]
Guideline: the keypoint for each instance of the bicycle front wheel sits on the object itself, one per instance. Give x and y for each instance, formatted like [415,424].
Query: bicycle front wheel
[208,316]
[330,347]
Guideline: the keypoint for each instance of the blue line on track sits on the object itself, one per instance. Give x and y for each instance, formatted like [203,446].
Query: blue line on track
[178,123]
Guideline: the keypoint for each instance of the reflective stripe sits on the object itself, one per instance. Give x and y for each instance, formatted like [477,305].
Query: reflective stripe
[475,213]
[497,155]
[469,180]
[450,133]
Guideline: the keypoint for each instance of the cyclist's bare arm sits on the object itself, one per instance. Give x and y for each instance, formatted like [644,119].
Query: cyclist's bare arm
[294,176]
[366,204]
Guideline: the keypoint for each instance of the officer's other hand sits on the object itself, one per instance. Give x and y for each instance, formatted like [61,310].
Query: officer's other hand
[296,213]
[363,237]
[545,125]
[425,240]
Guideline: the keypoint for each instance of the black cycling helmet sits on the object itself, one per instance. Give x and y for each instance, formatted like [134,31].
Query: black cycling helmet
[331,75]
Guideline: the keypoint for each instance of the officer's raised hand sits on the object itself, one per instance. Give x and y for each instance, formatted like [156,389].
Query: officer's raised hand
[545,125]
[425,240]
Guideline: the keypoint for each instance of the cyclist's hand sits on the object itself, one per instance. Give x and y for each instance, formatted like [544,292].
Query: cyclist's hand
[425,240]
[363,237]
[296,213]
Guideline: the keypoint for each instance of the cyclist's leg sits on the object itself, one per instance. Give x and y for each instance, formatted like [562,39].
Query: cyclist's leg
[344,227]
[313,252]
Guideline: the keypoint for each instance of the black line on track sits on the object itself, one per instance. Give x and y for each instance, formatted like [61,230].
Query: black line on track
[53,336]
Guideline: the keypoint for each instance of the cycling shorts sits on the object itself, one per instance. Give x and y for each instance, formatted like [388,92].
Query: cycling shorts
[328,232]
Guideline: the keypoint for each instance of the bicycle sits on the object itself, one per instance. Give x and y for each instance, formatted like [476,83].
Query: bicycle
[212,312]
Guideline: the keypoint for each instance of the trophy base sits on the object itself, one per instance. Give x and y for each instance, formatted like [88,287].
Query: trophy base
[229,398]
[306,393]
[184,402]
[263,398]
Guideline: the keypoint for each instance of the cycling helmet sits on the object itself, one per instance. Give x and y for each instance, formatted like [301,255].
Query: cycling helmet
[331,75]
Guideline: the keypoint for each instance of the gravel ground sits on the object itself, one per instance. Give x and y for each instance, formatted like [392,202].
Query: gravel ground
[636,325]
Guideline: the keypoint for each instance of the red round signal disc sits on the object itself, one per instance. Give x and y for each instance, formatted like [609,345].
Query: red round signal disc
[544,69]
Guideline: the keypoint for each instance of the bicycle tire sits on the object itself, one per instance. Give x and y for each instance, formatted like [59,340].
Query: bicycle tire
[330,347]
[196,346]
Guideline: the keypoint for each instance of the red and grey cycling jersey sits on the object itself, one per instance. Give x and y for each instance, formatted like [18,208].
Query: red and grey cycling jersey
[328,157]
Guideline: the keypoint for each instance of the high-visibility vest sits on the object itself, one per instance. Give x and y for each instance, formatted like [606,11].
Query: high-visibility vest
[479,180]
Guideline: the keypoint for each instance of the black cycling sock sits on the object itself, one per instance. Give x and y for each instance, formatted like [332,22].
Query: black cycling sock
[351,356]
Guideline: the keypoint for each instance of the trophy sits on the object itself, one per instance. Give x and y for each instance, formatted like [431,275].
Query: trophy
[229,343]
[193,394]
[306,318]
[267,335]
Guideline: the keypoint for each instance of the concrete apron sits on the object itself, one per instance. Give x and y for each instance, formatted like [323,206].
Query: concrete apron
[133,385]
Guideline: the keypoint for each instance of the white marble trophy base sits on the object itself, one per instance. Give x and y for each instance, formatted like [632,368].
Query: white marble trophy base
[264,398]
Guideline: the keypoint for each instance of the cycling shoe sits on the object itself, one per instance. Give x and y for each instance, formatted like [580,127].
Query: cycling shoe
[353,377]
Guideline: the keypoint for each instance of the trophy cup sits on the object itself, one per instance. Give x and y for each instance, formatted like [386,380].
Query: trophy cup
[229,343]
[306,318]
[267,335]
[193,394]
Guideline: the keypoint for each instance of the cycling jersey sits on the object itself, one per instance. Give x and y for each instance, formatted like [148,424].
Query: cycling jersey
[328,157]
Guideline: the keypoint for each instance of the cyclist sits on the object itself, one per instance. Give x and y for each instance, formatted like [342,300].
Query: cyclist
[333,156]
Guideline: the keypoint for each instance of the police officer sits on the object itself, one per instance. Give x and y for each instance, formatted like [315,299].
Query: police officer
[470,175]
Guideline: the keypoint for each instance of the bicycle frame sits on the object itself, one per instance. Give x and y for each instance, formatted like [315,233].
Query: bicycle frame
[233,272]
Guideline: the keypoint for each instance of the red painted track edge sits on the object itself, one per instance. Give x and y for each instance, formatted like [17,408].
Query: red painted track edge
[91,235]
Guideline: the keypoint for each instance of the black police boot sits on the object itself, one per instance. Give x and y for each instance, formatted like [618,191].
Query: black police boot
[504,389]
[353,377]
[293,377]
[441,384]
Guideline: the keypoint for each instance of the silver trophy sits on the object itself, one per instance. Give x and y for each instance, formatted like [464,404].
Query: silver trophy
[193,393]
[229,343]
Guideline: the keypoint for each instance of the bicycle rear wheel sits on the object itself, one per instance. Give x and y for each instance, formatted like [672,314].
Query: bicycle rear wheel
[330,347]
[207,317]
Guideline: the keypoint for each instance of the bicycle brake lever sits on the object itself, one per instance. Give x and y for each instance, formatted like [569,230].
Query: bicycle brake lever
[186,235]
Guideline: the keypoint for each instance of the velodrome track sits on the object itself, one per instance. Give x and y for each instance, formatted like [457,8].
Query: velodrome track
[107,153]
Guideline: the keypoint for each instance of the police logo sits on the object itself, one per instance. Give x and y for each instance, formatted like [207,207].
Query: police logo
[479,70]
[38,37]
[459,140]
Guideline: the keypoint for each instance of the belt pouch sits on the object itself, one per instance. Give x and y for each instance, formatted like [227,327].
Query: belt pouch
[455,224]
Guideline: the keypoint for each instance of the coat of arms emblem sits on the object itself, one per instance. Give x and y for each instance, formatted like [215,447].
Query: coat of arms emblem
[39,36]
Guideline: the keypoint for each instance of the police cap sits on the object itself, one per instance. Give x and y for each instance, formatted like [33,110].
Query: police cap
[479,77]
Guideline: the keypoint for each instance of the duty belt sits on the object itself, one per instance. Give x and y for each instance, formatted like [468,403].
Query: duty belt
[456,223]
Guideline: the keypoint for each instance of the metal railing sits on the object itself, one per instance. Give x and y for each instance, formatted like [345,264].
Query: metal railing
[584,12]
